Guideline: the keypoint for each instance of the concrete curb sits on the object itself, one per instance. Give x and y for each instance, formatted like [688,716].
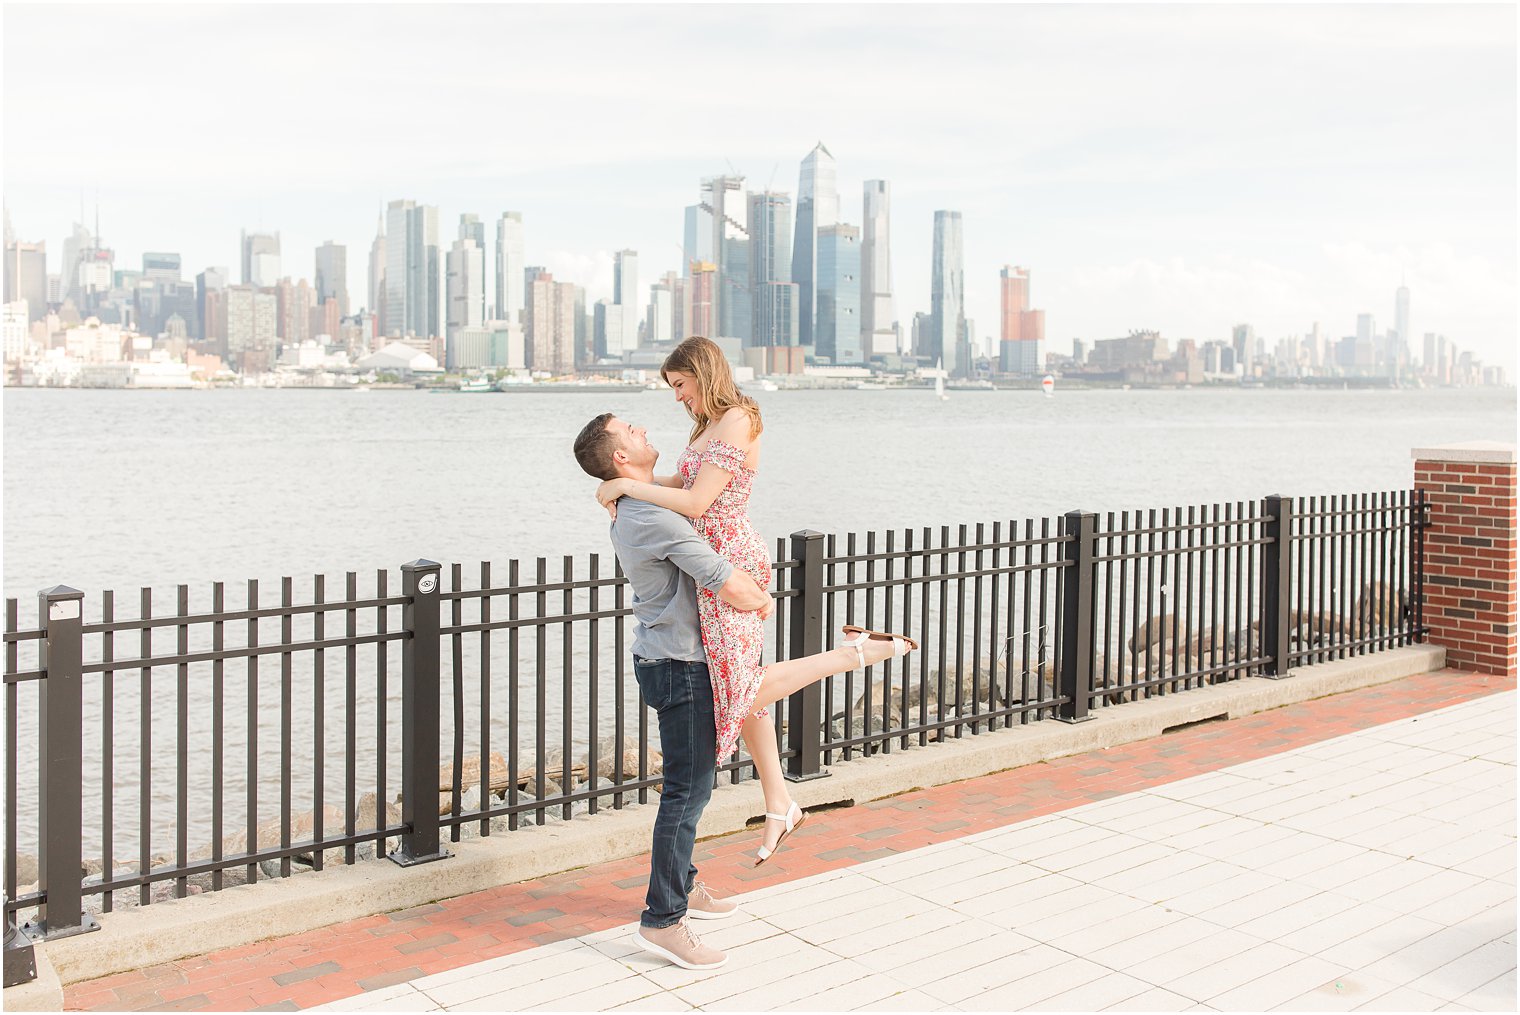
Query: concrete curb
[166,931]
[45,993]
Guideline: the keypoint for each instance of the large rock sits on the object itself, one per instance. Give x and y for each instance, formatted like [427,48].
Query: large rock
[470,774]
[302,826]
[1381,606]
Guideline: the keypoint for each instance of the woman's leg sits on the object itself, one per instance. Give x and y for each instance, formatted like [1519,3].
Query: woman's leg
[759,734]
[792,675]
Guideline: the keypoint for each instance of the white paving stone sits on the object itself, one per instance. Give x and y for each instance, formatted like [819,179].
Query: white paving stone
[1371,872]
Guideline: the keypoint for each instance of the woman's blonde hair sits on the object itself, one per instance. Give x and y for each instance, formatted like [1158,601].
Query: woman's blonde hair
[705,362]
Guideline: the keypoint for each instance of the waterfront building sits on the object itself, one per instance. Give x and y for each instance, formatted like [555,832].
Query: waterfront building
[26,277]
[1021,347]
[837,334]
[465,285]
[261,258]
[295,303]
[17,329]
[331,277]
[413,267]
[549,336]
[664,298]
[212,306]
[608,330]
[494,345]
[251,320]
[625,293]
[878,328]
[377,276]
[772,296]
[699,314]
[724,200]
[510,281]
[696,236]
[817,206]
[947,292]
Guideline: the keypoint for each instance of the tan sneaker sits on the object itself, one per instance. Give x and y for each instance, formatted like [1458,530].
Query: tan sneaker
[700,905]
[678,944]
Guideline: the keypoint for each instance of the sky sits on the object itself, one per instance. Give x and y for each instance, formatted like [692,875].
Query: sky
[1178,168]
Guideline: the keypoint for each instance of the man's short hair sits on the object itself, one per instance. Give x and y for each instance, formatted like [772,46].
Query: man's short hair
[594,448]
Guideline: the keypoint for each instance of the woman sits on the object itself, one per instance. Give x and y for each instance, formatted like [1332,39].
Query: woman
[711,486]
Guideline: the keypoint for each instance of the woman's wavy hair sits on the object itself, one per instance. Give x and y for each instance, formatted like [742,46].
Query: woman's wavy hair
[703,360]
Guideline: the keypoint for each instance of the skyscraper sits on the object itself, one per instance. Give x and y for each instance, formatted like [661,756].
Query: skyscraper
[413,268]
[331,276]
[1400,352]
[774,310]
[26,277]
[466,290]
[878,333]
[724,201]
[1243,342]
[696,237]
[837,335]
[699,312]
[661,316]
[261,258]
[550,334]
[608,329]
[1021,349]
[471,228]
[625,293]
[817,206]
[210,286]
[160,267]
[377,275]
[509,266]
[947,294]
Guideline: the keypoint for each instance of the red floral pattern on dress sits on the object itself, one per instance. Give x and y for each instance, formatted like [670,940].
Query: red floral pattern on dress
[734,639]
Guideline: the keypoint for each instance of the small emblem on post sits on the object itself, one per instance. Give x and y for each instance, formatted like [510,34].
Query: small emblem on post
[427,583]
[67,609]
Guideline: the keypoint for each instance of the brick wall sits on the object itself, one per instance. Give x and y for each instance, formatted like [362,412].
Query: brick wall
[1470,553]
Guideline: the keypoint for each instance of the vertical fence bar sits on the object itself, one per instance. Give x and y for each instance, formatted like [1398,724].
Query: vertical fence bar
[251,760]
[382,704]
[804,709]
[456,683]
[485,697]
[619,689]
[182,743]
[218,709]
[108,758]
[20,965]
[319,717]
[1076,622]
[1276,584]
[145,746]
[287,635]
[513,705]
[566,782]
[419,715]
[592,694]
[351,713]
[60,808]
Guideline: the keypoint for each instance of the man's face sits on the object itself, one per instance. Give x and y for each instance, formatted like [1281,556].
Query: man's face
[636,450]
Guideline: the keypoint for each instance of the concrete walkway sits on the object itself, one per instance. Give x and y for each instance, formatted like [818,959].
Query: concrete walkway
[1275,861]
[1374,871]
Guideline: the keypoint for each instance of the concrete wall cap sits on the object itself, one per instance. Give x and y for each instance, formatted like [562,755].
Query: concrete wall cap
[1468,451]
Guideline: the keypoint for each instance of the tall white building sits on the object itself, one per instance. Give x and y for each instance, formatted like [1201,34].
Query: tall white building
[817,206]
[332,275]
[878,331]
[510,262]
[413,271]
[377,271]
[261,258]
[465,285]
[661,313]
[724,200]
[16,331]
[625,293]
[696,237]
[1401,323]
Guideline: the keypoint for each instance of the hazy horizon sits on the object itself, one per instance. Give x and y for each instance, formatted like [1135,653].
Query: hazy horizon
[1177,168]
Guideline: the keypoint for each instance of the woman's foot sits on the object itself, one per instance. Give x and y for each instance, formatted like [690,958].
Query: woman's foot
[867,648]
[777,828]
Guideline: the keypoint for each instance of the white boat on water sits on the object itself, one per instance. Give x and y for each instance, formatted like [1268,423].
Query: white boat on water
[1048,385]
[939,380]
[478,386]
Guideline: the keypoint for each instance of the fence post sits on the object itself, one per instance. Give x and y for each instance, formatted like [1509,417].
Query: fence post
[419,715]
[1276,584]
[804,710]
[1076,618]
[60,808]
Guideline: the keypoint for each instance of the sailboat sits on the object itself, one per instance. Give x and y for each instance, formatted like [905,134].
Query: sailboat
[1048,385]
[939,380]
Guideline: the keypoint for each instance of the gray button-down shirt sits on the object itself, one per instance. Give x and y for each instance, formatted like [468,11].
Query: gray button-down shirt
[665,561]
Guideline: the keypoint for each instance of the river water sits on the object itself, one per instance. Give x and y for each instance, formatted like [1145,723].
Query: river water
[122,490]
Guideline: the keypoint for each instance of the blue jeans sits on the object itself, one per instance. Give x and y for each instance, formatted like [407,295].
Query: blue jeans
[680,692]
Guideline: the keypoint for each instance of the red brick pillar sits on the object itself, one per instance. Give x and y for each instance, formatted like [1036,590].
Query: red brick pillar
[1470,552]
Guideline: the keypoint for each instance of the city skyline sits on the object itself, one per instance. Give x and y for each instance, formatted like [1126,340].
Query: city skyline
[1306,203]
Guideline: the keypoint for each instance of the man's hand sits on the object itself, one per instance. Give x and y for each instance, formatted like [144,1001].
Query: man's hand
[742,593]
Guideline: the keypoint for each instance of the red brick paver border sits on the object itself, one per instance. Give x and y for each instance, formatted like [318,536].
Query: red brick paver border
[312,968]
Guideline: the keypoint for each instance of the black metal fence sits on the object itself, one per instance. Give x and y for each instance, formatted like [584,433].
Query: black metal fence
[209,745]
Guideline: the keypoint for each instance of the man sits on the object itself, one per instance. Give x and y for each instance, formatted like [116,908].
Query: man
[665,561]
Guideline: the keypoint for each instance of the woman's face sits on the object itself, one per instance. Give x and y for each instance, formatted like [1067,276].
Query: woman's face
[685,387]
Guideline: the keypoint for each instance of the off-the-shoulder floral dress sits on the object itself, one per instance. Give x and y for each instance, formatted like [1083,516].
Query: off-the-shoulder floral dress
[733,638]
